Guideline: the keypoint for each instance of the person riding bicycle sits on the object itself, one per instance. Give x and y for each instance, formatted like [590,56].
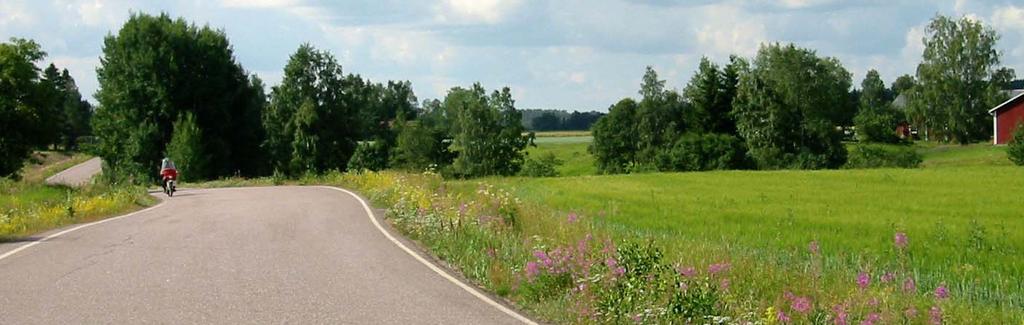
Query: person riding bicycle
[167,172]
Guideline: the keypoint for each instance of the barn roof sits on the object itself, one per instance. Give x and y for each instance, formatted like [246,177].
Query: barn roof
[1015,95]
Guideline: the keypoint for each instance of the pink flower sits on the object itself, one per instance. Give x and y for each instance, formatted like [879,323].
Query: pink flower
[718,267]
[935,315]
[532,270]
[941,292]
[888,277]
[900,239]
[909,286]
[462,209]
[813,247]
[543,258]
[871,319]
[724,284]
[782,317]
[863,280]
[572,217]
[841,314]
[801,304]
[688,271]
[910,313]
[613,265]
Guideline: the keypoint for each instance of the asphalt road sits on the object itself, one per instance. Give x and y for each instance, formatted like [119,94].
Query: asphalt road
[300,255]
[79,174]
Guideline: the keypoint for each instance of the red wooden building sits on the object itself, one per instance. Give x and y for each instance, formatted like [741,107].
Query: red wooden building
[1005,118]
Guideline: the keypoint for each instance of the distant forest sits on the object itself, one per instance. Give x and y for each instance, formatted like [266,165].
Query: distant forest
[558,120]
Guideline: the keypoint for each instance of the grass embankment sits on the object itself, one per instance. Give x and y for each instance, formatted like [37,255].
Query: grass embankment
[29,206]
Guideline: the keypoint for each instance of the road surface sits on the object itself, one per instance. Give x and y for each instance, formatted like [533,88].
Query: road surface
[78,174]
[301,255]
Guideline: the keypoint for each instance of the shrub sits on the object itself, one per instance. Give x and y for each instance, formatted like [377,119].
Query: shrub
[543,166]
[186,149]
[883,156]
[369,156]
[1015,149]
[877,125]
[696,152]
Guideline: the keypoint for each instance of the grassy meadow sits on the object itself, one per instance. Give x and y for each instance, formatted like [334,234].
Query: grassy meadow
[29,206]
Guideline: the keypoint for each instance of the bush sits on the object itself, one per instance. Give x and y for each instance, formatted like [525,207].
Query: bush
[877,125]
[186,149]
[543,166]
[696,152]
[369,156]
[1015,149]
[883,156]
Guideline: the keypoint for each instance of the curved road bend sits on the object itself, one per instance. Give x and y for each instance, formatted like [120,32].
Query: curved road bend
[250,255]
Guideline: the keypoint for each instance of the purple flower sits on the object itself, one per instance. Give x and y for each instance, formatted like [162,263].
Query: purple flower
[841,314]
[532,270]
[935,315]
[900,239]
[724,284]
[543,258]
[909,286]
[572,217]
[688,271]
[888,277]
[863,280]
[462,209]
[718,267]
[813,247]
[941,292]
[871,319]
[781,315]
[614,266]
[801,304]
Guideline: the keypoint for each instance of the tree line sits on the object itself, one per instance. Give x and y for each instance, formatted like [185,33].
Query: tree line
[38,109]
[558,120]
[788,107]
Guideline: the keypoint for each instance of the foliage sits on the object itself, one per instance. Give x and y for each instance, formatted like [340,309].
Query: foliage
[187,149]
[615,138]
[784,108]
[71,114]
[883,156]
[372,156]
[558,120]
[486,131]
[876,120]
[957,83]
[1015,149]
[902,83]
[312,123]
[543,166]
[156,68]
[710,94]
[660,119]
[421,144]
[708,151]
[27,208]
[24,104]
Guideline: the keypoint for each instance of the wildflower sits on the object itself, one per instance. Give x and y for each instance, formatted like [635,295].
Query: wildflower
[871,319]
[723,284]
[841,314]
[613,265]
[910,313]
[462,209]
[941,292]
[900,239]
[543,258]
[781,315]
[572,217]
[491,252]
[801,304]
[532,270]
[935,315]
[888,277]
[637,318]
[718,267]
[863,280]
[813,247]
[688,271]
[909,286]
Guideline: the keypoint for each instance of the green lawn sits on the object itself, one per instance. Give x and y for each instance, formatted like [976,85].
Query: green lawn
[952,155]
[573,153]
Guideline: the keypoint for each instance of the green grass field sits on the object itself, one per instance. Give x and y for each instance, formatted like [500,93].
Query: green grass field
[962,212]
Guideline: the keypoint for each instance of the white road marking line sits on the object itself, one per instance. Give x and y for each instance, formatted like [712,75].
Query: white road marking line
[435,268]
[26,246]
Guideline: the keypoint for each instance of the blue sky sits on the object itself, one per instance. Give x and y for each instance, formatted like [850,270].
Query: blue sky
[569,54]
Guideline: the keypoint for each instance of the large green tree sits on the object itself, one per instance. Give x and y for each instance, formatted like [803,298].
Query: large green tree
[25,104]
[72,115]
[955,79]
[785,108]
[876,119]
[312,122]
[710,93]
[659,120]
[487,132]
[615,138]
[157,68]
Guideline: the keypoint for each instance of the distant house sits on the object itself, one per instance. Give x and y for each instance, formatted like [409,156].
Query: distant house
[1006,116]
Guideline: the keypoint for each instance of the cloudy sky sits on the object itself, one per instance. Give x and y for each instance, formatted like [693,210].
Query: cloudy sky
[568,54]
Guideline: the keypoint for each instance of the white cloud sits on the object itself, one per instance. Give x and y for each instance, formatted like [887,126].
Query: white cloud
[476,11]
[728,30]
[15,13]
[99,13]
